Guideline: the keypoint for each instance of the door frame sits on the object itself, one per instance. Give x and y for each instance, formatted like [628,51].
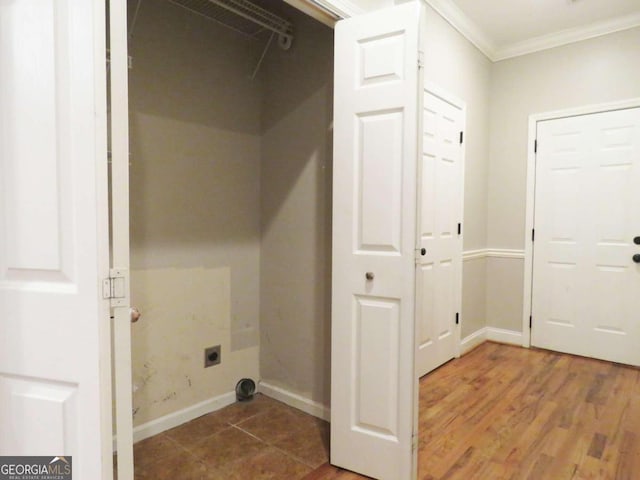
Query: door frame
[120,249]
[530,192]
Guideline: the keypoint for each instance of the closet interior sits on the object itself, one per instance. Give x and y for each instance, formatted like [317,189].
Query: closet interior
[230,202]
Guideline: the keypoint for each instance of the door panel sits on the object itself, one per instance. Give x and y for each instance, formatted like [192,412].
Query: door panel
[373,389]
[439,268]
[587,213]
[54,328]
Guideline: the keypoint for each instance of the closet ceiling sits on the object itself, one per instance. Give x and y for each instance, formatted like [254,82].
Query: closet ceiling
[507,28]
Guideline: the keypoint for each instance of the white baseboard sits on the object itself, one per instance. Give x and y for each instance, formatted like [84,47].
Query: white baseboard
[185,415]
[470,342]
[502,335]
[296,401]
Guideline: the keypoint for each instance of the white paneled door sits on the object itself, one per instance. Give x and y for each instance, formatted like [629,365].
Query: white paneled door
[373,389]
[54,326]
[586,271]
[439,256]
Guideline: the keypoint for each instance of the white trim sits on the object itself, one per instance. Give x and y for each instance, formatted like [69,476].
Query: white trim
[494,334]
[474,254]
[463,24]
[120,249]
[505,253]
[295,400]
[316,11]
[503,335]
[179,417]
[448,10]
[565,37]
[339,8]
[493,253]
[472,341]
[327,11]
[530,198]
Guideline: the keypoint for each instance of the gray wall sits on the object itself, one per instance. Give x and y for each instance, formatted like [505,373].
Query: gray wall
[594,71]
[295,276]
[455,65]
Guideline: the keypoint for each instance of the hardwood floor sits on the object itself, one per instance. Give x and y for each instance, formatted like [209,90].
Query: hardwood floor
[503,412]
[499,412]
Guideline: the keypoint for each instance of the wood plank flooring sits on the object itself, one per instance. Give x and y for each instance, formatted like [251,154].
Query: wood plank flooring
[503,412]
[499,412]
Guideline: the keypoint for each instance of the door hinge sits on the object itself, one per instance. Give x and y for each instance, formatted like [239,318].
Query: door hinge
[459,228]
[530,321]
[116,287]
[420,59]
[461,137]
[457,318]
[414,442]
[533,234]
[535,146]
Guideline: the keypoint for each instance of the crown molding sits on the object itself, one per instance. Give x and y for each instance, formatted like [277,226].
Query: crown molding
[472,32]
[568,36]
[463,24]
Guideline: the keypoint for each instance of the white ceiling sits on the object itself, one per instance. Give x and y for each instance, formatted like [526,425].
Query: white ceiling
[507,28]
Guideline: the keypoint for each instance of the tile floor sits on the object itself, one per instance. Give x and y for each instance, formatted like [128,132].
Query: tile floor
[260,439]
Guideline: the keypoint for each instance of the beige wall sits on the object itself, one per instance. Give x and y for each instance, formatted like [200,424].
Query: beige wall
[195,174]
[295,276]
[594,71]
[455,65]
[230,209]
[185,310]
[195,207]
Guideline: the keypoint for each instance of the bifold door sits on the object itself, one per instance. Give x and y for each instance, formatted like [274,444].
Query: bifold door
[54,325]
[373,392]
[586,270]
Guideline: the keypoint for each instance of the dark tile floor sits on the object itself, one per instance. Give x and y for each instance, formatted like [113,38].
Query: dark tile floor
[260,439]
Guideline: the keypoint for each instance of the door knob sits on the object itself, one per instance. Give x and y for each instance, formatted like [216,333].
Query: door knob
[135,314]
[636,258]
[636,240]
[423,251]
[370,275]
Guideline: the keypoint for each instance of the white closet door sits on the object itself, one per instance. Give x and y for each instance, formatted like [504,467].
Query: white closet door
[586,285]
[439,260]
[373,389]
[54,325]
